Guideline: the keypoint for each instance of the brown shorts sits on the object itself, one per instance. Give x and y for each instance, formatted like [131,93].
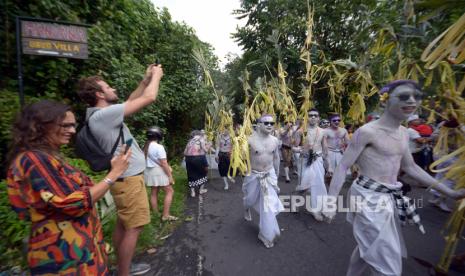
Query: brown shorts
[131,201]
[287,156]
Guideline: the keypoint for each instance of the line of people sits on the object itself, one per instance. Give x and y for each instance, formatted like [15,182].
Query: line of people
[380,151]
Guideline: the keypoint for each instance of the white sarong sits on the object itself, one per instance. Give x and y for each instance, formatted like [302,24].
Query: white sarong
[261,192]
[313,179]
[334,158]
[380,244]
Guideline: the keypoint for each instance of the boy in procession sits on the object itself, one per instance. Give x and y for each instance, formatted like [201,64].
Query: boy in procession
[337,139]
[380,149]
[312,163]
[260,187]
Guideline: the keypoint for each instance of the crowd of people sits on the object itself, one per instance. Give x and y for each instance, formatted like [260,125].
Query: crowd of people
[66,234]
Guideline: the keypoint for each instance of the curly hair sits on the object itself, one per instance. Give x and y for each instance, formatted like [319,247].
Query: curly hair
[87,87]
[32,124]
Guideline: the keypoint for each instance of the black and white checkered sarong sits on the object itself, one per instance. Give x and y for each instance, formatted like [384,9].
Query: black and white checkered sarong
[405,206]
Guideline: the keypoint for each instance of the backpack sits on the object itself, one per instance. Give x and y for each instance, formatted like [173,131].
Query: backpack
[87,148]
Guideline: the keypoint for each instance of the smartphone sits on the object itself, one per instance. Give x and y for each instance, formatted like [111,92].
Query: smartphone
[157,61]
[128,144]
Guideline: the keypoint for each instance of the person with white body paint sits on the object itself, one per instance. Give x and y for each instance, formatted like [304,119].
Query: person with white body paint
[286,148]
[313,156]
[380,149]
[260,187]
[337,139]
[223,155]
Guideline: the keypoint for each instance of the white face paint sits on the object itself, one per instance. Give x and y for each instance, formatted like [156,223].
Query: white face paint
[335,122]
[266,125]
[313,118]
[403,101]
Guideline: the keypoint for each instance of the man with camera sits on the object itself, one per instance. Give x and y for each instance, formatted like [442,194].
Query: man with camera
[105,118]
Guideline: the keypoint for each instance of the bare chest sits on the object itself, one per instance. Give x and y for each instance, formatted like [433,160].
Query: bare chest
[263,147]
[314,136]
[390,143]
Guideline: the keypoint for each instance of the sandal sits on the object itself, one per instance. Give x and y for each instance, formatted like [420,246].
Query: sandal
[169,218]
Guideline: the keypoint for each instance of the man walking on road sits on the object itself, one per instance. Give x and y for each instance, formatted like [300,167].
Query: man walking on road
[380,149]
[313,155]
[106,118]
[261,186]
[337,138]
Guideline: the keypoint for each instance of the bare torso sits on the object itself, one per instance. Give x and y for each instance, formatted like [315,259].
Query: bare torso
[336,139]
[262,151]
[381,158]
[314,139]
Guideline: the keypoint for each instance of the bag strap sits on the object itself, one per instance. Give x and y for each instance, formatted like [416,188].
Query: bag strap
[121,134]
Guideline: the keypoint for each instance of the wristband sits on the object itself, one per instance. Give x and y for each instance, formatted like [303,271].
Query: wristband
[108,181]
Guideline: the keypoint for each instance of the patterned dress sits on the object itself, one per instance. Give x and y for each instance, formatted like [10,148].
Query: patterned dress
[66,236]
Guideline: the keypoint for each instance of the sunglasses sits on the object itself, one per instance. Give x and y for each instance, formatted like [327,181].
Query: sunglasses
[406,96]
[313,115]
[69,125]
[268,123]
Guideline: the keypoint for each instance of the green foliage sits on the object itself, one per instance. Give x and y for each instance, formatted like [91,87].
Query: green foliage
[9,107]
[124,38]
[14,231]
[276,30]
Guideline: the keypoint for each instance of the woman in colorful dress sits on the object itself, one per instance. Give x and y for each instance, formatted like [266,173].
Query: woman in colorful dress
[66,235]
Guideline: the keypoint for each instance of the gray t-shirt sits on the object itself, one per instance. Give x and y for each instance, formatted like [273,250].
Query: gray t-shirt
[105,124]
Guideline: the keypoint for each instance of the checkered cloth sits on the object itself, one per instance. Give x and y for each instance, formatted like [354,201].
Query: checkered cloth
[405,206]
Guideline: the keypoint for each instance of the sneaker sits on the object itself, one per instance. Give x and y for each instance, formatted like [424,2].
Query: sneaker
[202,191]
[226,187]
[139,268]
[169,218]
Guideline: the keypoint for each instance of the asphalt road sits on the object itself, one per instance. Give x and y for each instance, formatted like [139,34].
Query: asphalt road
[218,241]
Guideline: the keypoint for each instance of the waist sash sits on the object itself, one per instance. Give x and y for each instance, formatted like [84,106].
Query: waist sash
[405,206]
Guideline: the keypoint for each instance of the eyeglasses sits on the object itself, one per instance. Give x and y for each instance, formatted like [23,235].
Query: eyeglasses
[406,96]
[335,121]
[68,125]
[313,115]
[268,123]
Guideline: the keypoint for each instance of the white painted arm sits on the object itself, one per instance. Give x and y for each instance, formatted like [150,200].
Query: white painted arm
[276,161]
[412,169]
[358,143]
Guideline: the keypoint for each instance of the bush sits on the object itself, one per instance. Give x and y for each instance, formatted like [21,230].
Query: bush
[14,231]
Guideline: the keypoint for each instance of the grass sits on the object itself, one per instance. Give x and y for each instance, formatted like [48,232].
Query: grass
[153,233]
